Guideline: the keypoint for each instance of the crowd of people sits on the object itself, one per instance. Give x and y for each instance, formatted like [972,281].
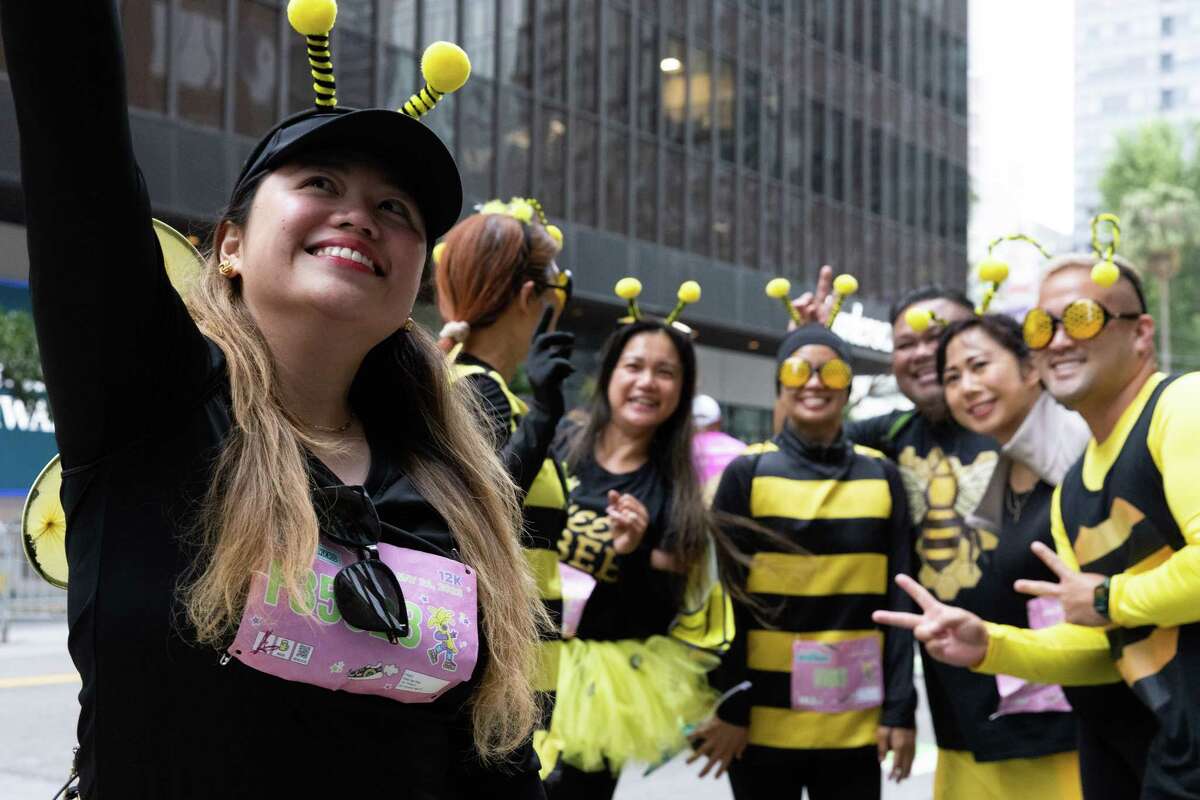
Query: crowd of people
[303,527]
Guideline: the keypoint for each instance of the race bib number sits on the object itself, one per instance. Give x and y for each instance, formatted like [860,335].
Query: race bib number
[837,676]
[1021,697]
[577,587]
[305,639]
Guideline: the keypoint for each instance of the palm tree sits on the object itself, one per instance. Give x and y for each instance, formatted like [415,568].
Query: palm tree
[1159,223]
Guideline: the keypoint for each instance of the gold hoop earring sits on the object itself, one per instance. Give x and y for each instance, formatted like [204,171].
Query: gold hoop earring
[408,324]
[225,268]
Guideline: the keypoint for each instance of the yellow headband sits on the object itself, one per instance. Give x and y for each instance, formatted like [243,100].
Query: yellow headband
[844,285]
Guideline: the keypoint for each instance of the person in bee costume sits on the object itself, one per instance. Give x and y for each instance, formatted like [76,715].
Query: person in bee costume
[816,695]
[498,287]
[1125,521]
[631,677]
[293,554]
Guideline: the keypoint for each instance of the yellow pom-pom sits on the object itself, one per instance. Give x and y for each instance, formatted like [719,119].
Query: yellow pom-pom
[494,207]
[628,288]
[445,66]
[438,250]
[555,234]
[845,285]
[521,210]
[1105,273]
[312,17]
[689,292]
[779,288]
[993,270]
[918,319]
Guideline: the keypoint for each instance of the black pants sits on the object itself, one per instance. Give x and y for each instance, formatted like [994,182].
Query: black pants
[569,783]
[763,773]
[1108,769]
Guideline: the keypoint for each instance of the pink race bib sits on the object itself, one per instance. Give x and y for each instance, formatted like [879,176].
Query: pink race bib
[577,587]
[1020,697]
[837,676]
[305,638]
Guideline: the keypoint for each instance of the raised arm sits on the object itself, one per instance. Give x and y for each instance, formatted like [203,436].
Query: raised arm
[119,351]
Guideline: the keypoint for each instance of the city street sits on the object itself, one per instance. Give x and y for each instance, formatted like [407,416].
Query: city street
[38,709]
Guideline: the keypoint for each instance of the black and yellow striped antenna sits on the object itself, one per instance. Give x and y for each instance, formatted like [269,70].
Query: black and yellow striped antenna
[445,68]
[313,19]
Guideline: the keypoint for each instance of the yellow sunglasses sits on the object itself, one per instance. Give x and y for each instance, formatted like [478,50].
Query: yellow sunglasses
[833,374]
[1082,319]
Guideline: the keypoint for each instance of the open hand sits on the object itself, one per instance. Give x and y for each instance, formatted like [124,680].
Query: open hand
[902,742]
[628,520]
[721,742]
[950,634]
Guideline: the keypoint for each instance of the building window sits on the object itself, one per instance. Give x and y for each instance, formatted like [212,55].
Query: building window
[837,155]
[858,174]
[857,11]
[476,152]
[616,89]
[1167,26]
[553,49]
[772,124]
[727,29]
[553,180]
[818,17]
[875,178]
[876,8]
[649,67]
[672,204]
[583,182]
[646,184]
[836,10]
[726,108]
[751,222]
[616,180]
[1166,62]
[399,24]
[699,220]
[479,38]
[674,90]
[1166,99]
[257,74]
[816,151]
[514,144]
[145,26]
[198,56]
[586,45]
[723,214]
[700,88]
[516,41]
[751,102]
[354,53]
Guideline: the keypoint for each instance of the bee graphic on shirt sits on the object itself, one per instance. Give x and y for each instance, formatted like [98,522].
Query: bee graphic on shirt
[941,492]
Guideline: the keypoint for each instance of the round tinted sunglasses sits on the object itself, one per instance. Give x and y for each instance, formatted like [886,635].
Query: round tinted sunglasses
[1082,319]
[366,592]
[833,374]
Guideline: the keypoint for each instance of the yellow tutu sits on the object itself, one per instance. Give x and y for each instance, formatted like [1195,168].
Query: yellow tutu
[625,700]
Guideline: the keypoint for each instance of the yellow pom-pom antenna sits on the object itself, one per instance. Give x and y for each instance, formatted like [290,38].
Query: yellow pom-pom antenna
[494,207]
[439,250]
[780,289]
[556,234]
[994,271]
[1106,273]
[521,210]
[919,319]
[445,67]
[689,292]
[628,289]
[844,285]
[314,19]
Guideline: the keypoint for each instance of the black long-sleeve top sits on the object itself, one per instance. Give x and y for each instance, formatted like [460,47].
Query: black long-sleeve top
[142,409]
[846,511]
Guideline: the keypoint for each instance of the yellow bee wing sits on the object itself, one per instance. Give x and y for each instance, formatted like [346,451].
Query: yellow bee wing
[44,526]
[914,487]
[973,481]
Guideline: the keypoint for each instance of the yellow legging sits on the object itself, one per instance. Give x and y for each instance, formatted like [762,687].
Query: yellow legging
[960,777]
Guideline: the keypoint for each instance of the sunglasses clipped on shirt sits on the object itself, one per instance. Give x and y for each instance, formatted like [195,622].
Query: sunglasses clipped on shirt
[367,594]
[833,374]
[1082,319]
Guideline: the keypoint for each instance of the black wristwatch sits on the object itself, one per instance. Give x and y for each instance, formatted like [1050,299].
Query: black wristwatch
[1100,597]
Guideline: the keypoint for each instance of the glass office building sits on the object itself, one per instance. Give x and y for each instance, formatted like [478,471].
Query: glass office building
[723,141]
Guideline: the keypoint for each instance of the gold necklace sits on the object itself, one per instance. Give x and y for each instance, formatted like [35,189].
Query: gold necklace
[345,426]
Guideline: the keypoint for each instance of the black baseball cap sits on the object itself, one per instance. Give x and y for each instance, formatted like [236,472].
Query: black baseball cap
[421,164]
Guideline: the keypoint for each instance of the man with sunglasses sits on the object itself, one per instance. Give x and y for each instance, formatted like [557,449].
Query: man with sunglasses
[1126,524]
[815,694]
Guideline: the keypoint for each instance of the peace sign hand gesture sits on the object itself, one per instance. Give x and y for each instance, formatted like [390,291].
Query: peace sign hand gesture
[814,306]
[950,634]
[1075,590]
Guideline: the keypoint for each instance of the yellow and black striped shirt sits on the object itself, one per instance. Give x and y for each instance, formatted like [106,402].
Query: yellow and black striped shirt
[844,507]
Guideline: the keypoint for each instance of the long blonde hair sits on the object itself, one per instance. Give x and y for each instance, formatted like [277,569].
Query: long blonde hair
[258,508]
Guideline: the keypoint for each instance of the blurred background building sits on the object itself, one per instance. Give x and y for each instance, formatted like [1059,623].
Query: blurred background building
[1135,62]
[722,141]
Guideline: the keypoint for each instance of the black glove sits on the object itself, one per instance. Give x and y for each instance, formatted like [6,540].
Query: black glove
[549,364]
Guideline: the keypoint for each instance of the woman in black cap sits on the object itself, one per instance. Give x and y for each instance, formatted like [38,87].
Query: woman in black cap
[815,694]
[293,554]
